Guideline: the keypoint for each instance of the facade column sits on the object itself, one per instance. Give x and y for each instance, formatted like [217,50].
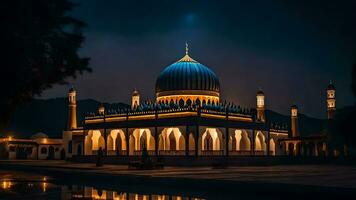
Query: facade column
[253,142]
[84,135]
[196,138]
[227,138]
[105,137]
[156,134]
[187,141]
[127,141]
[268,143]
[156,141]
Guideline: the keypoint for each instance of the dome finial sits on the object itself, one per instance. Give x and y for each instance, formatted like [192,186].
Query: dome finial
[186,48]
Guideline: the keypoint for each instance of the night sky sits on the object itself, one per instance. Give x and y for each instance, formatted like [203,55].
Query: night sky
[291,49]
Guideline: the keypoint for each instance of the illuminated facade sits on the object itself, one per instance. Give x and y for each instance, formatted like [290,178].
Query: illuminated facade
[38,147]
[188,118]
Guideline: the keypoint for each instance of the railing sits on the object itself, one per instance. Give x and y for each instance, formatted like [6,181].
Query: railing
[191,152]
[168,110]
[172,152]
[240,153]
[212,152]
[260,153]
[139,153]
[116,152]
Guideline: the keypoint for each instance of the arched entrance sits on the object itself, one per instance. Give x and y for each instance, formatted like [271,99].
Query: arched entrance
[260,144]
[211,142]
[171,142]
[240,143]
[116,142]
[50,153]
[93,141]
[142,138]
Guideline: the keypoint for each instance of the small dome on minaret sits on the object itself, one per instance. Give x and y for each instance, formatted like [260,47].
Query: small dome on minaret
[101,109]
[135,92]
[260,92]
[331,86]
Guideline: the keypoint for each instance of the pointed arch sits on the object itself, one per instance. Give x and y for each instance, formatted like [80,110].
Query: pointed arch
[120,141]
[272,147]
[191,142]
[172,142]
[208,142]
[181,102]
[88,144]
[132,145]
[198,102]
[169,139]
[211,140]
[181,145]
[260,143]
[189,102]
[143,142]
[244,142]
[111,143]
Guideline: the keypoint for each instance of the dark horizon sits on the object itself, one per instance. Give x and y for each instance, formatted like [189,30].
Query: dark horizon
[289,49]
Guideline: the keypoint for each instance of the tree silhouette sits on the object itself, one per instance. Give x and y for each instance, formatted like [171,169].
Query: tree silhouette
[39,44]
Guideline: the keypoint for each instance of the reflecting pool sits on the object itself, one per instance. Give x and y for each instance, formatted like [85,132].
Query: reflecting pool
[30,185]
[19,185]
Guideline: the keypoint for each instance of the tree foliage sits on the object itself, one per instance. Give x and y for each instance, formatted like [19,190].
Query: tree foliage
[39,48]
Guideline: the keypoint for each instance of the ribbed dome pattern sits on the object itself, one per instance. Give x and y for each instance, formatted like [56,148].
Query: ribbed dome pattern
[187,74]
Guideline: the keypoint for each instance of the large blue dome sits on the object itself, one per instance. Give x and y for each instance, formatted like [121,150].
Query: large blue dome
[187,75]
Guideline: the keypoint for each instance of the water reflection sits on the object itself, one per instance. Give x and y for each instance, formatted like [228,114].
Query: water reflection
[31,189]
[77,192]
[6,184]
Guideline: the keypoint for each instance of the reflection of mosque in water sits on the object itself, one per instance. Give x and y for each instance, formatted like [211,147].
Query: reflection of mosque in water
[80,192]
[189,119]
[41,188]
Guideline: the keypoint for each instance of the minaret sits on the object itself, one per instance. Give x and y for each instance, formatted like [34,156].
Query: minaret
[135,100]
[72,109]
[101,109]
[331,100]
[294,121]
[260,97]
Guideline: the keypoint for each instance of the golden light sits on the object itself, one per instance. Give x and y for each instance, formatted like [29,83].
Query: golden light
[6,185]
[44,184]
[10,138]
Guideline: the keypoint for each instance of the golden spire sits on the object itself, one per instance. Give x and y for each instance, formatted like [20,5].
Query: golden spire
[186,58]
[186,48]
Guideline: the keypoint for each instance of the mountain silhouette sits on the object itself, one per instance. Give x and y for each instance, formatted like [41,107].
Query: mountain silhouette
[50,117]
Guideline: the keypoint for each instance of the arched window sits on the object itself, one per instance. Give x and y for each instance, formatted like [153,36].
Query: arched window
[171,103]
[181,103]
[43,150]
[189,102]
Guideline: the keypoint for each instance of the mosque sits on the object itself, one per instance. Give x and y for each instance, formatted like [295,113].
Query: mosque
[188,118]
